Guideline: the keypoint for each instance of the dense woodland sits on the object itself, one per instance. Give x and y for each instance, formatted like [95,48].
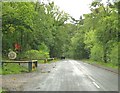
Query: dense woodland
[43,31]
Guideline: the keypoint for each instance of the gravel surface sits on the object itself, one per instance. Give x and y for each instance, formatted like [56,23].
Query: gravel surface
[15,82]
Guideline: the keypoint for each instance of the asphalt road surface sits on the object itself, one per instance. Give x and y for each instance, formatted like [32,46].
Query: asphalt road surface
[71,75]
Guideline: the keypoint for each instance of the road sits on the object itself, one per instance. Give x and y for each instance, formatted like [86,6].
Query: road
[71,75]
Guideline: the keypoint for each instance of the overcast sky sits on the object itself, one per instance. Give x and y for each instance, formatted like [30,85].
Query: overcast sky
[75,8]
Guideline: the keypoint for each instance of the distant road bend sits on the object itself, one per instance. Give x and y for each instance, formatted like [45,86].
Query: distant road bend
[71,75]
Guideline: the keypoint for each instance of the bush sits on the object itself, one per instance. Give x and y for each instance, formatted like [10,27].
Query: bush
[114,55]
[97,53]
[35,54]
[32,54]
[42,52]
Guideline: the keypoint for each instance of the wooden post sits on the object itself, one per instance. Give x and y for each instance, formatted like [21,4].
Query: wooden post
[35,63]
[30,66]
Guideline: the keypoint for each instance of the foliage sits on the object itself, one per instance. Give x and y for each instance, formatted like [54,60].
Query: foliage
[35,54]
[78,47]
[102,32]
[114,55]
[33,26]
[43,30]
[96,53]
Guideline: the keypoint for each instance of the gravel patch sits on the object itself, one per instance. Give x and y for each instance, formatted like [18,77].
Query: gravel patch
[16,82]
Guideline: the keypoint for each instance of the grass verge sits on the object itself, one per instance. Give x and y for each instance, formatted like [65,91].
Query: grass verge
[0,70]
[110,65]
[13,69]
[3,91]
[0,90]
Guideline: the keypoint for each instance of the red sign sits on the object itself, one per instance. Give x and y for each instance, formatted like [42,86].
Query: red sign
[17,46]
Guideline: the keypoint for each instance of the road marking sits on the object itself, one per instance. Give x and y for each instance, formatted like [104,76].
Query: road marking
[94,81]
[91,78]
[77,71]
[96,85]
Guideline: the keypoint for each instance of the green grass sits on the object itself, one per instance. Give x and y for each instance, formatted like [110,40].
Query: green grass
[0,90]
[12,68]
[41,61]
[0,71]
[109,64]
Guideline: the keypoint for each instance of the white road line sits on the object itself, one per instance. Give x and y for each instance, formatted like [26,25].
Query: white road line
[77,71]
[94,81]
[91,78]
[96,85]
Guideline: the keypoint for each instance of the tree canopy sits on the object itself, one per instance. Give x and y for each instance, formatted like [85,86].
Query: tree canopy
[43,27]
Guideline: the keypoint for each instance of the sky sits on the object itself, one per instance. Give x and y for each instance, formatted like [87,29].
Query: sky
[75,8]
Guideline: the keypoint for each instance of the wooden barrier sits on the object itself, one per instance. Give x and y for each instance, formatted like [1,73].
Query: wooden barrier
[48,59]
[32,65]
[45,59]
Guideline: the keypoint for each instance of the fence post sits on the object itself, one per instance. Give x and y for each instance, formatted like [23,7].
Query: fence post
[35,63]
[30,66]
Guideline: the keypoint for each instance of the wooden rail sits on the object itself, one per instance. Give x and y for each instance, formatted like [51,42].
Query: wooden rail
[45,59]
